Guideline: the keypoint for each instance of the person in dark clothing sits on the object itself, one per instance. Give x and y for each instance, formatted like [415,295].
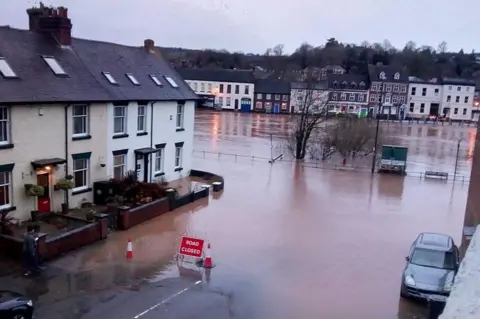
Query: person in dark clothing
[36,232]
[29,252]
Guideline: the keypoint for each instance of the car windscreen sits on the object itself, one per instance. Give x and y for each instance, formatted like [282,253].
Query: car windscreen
[433,258]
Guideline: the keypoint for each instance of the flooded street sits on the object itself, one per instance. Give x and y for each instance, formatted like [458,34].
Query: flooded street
[288,241]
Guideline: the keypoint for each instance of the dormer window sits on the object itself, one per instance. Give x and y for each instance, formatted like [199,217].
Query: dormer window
[155,80]
[6,70]
[344,84]
[132,78]
[397,76]
[54,65]
[109,77]
[361,85]
[353,85]
[171,82]
[335,84]
[382,76]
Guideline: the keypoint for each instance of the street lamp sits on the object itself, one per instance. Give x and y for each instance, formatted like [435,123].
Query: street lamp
[376,140]
[459,140]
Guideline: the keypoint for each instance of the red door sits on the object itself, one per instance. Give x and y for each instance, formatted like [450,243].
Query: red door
[44,201]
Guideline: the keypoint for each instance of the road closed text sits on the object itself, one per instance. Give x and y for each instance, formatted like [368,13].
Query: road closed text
[191,247]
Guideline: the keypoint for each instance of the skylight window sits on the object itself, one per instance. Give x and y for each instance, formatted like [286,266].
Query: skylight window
[132,78]
[109,77]
[155,79]
[54,65]
[171,82]
[6,70]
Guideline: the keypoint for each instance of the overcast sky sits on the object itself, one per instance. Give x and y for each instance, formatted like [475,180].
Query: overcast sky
[254,25]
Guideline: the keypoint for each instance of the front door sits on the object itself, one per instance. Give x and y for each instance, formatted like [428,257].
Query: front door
[140,170]
[236,104]
[43,202]
[276,108]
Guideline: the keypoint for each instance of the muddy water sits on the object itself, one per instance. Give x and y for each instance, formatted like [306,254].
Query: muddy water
[288,242]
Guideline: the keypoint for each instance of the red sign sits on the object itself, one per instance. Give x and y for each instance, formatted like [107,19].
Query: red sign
[192,247]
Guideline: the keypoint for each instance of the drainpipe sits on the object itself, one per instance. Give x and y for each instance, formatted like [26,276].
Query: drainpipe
[66,151]
[151,142]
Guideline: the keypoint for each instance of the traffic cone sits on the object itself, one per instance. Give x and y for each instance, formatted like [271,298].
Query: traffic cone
[208,263]
[129,249]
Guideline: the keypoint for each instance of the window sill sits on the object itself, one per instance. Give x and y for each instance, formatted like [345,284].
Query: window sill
[178,169]
[6,146]
[81,191]
[120,136]
[142,133]
[83,137]
[8,209]
[159,174]
[180,129]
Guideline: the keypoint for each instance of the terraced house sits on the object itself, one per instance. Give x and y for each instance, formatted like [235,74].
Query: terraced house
[89,109]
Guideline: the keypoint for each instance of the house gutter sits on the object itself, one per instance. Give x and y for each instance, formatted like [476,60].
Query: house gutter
[151,141]
[67,199]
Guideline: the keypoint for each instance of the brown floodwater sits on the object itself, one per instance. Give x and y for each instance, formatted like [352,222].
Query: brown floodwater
[290,241]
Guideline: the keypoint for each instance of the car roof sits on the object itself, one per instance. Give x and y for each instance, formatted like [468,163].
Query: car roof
[434,241]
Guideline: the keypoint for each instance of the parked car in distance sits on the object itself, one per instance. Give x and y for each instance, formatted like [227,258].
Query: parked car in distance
[431,266]
[15,306]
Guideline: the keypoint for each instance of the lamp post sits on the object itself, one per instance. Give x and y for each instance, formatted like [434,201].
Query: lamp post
[376,130]
[459,140]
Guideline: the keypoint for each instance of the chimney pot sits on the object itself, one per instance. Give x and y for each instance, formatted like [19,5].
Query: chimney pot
[149,44]
[53,21]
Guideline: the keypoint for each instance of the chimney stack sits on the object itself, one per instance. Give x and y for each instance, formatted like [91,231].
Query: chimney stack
[53,21]
[149,45]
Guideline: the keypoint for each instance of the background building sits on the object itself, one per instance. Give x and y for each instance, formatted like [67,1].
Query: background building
[228,89]
[272,96]
[348,94]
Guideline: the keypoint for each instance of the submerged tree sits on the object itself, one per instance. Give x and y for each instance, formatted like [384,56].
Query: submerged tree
[308,115]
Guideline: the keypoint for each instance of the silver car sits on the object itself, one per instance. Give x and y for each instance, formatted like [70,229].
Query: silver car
[431,266]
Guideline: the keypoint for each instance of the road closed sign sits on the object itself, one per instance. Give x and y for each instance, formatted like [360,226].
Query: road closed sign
[192,247]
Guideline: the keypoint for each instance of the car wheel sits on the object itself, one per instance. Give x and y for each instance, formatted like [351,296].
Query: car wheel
[403,294]
[19,315]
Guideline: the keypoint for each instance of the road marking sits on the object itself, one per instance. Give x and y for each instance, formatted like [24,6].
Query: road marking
[166,300]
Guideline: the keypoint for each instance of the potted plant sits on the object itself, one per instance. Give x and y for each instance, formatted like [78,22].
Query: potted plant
[65,184]
[6,223]
[89,215]
[34,191]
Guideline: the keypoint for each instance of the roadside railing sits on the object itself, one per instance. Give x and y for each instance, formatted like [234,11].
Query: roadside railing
[445,177]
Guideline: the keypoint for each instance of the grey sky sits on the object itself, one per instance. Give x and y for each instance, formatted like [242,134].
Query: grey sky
[254,25]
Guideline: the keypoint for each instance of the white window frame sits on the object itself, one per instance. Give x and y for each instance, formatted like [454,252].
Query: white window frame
[388,88]
[343,97]
[268,96]
[220,101]
[202,87]
[6,70]
[178,156]
[403,89]
[132,78]
[259,96]
[382,76]
[229,101]
[334,96]
[396,76]
[195,86]
[141,118]
[258,105]
[7,184]
[388,99]
[278,97]
[402,99]
[123,117]
[5,125]
[360,98]
[209,87]
[171,82]
[53,64]
[122,165]
[396,88]
[159,166]
[155,80]
[180,115]
[84,118]
[395,99]
[85,171]
[373,98]
[351,97]
[109,77]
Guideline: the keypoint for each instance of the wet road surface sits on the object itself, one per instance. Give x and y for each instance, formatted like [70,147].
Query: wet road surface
[288,242]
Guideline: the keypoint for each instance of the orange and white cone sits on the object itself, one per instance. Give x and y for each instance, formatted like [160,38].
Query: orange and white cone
[129,249]
[208,263]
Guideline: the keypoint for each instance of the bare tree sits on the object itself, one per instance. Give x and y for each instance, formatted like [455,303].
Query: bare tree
[308,116]
[351,137]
